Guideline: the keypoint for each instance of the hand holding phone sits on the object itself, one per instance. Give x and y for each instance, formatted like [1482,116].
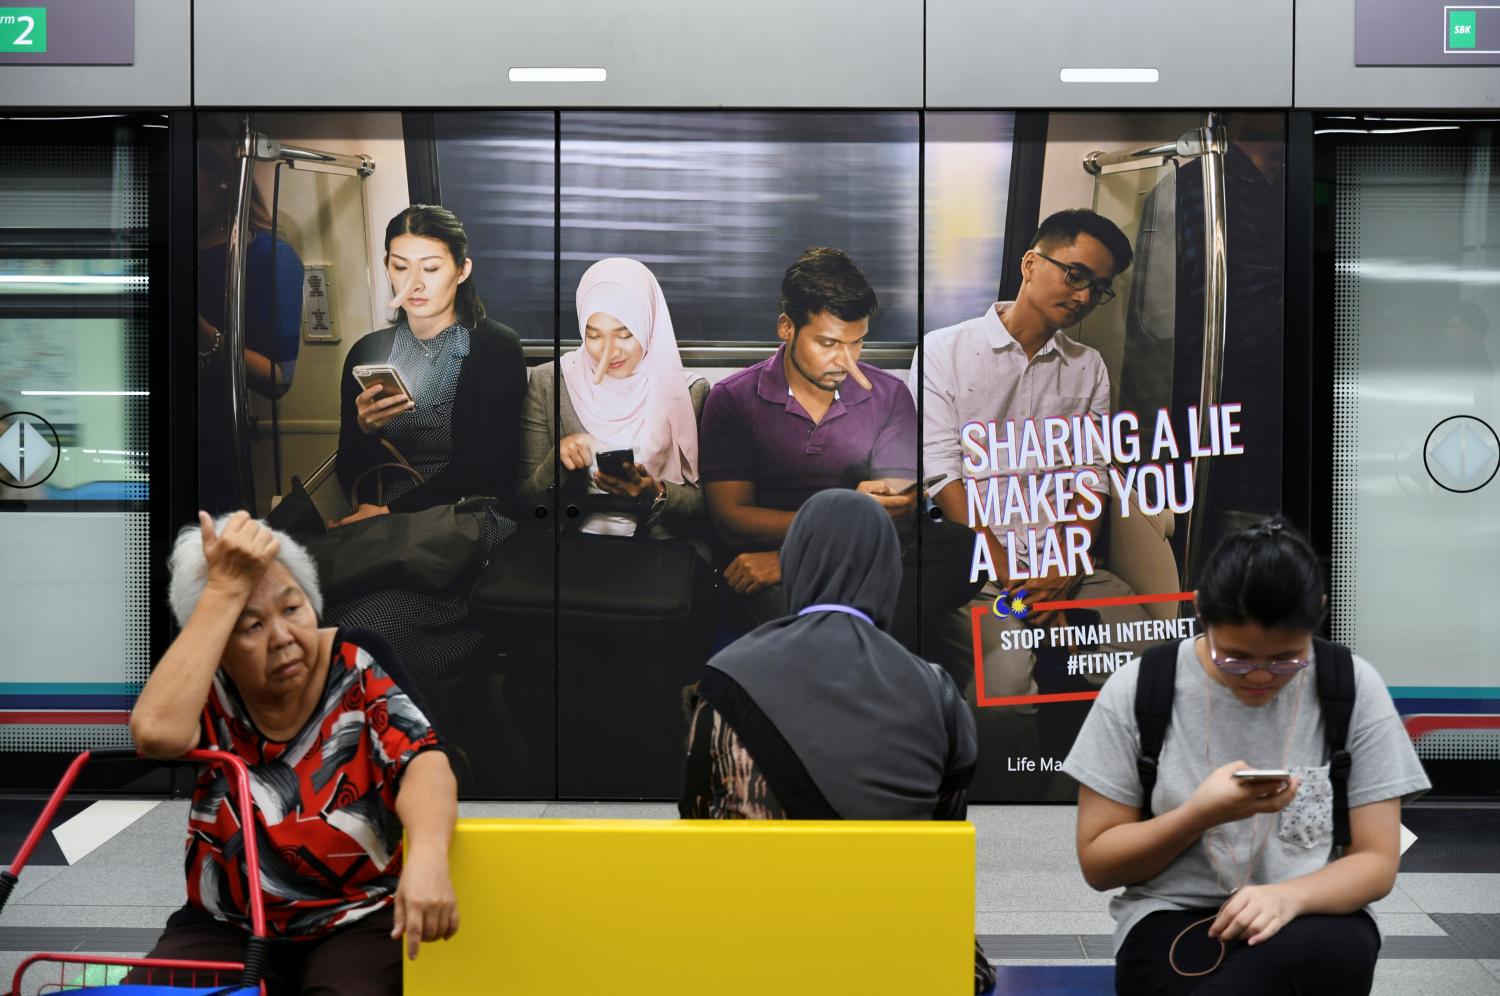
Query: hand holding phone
[1227,795]
[388,377]
[619,474]
[384,395]
[617,463]
[901,506]
[929,482]
[1263,775]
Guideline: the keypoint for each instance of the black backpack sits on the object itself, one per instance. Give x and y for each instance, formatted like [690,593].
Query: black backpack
[1335,671]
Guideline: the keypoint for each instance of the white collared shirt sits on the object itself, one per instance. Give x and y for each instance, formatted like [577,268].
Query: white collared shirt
[975,371]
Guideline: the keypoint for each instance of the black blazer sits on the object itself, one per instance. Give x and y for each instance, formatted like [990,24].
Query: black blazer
[486,421]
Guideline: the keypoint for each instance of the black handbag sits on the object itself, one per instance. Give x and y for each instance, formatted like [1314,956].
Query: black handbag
[601,578]
[614,627]
[431,550]
[947,551]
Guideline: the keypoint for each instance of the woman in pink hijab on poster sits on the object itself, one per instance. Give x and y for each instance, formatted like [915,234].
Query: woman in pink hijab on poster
[628,414]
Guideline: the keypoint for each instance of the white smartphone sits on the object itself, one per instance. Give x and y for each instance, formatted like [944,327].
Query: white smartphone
[387,376]
[1263,775]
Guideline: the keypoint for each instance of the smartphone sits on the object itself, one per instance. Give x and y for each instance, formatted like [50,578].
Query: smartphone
[924,484]
[387,376]
[616,463]
[1263,775]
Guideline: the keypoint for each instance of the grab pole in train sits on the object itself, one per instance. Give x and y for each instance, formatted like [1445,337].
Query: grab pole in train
[275,318]
[254,147]
[235,256]
[267,149]
[1215,294]
[1207,143]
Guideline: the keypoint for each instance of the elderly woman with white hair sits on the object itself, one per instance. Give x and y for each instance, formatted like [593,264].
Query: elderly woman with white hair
[340,759]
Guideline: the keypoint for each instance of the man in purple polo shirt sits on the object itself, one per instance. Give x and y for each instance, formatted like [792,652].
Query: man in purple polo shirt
[808,418]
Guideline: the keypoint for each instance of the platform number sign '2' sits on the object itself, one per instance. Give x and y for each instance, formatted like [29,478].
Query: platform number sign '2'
[23,29]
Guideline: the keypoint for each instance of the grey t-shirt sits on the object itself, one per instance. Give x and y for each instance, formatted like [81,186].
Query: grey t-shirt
[1211,728]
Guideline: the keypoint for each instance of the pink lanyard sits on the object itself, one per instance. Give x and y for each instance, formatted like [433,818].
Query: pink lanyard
[1255,849]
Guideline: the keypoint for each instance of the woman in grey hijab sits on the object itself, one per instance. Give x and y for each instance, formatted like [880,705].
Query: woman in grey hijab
[822,714]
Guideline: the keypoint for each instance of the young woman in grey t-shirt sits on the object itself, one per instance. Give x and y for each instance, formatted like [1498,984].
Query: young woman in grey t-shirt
[1235,885]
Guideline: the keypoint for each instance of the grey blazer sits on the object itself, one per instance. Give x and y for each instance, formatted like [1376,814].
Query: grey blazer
[681,515]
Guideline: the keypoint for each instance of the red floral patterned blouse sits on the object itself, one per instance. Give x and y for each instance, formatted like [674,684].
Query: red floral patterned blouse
[325,802]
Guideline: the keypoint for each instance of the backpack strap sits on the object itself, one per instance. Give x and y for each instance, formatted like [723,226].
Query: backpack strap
[1335,673]
[1154,688]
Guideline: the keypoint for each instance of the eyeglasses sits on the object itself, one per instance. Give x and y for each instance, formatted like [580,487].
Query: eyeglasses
[1078,278]
[1244,665]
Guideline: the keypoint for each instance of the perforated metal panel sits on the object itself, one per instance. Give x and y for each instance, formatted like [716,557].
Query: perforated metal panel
[63,739]
[1460,745]
[1414,572]
[75,342]
[1345,571]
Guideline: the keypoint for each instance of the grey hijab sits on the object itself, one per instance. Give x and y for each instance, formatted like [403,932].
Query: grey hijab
[879,731]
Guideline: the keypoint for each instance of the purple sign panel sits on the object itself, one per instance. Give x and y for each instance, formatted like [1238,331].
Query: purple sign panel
[1426,33]
[68,33]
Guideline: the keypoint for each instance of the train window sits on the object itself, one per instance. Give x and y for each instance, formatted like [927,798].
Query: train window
[495,170]
[968,175]
[719,204]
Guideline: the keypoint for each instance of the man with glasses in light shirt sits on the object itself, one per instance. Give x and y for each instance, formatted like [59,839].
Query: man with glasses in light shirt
[1012,364]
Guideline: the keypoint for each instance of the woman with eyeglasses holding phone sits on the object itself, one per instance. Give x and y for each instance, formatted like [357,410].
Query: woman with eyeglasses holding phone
[1233,880]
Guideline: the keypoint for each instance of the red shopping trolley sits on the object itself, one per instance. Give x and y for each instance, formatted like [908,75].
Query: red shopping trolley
[72,973]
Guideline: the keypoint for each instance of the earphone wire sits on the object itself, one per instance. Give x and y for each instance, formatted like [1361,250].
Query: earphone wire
[1255,849]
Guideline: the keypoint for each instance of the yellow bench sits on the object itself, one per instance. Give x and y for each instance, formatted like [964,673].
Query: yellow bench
[627,907]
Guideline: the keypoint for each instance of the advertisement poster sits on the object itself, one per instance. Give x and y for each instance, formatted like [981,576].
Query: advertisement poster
[1072,433]
[595,321]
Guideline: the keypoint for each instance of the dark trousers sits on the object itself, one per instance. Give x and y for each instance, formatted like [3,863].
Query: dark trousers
[1321,955]
[357,960]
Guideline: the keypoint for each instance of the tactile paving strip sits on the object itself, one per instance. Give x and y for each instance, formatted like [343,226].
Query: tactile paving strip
[1472,936]
[1043,946]
[1478,934]
[1100,946]
[78,938]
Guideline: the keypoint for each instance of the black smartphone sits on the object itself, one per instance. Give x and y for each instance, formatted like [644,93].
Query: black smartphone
[616,463]
[925,484]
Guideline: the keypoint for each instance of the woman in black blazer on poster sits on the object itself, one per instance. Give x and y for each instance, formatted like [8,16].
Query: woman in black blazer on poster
[461,430]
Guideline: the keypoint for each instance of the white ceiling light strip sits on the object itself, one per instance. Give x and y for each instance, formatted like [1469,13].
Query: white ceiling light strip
[558,74]
[1086,74]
